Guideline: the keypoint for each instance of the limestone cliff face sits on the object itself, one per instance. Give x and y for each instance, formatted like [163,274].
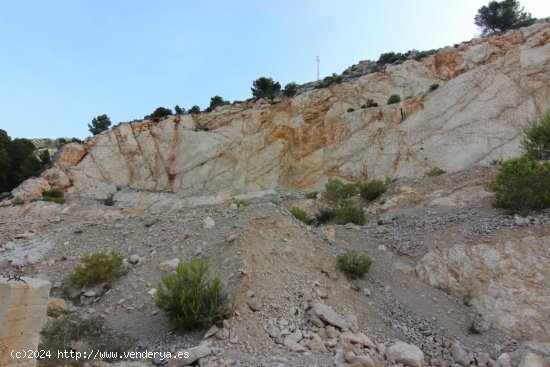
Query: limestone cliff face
[488,90]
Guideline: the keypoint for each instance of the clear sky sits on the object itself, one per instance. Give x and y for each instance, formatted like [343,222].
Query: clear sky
[63,62]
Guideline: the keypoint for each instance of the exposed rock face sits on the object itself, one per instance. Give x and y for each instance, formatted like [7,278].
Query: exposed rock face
[509,283]
[22,316]
[488,89]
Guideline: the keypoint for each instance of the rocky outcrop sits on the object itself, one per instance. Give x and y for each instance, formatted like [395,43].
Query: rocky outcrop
[488,89]
[508,282]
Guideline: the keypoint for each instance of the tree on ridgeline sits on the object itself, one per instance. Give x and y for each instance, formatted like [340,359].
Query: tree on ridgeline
[501,16]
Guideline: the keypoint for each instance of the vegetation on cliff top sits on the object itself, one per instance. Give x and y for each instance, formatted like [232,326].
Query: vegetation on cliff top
[17,161]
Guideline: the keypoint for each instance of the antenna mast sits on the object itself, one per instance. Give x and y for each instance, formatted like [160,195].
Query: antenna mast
[318,61]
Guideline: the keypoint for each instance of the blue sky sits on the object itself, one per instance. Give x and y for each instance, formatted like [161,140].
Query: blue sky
[63,62]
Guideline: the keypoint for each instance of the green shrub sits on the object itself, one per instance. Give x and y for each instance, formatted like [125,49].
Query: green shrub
[290,89]
[17,201]
[344,211]
[311,195]
[159,113]
[371,103]
[62,333]
[351,109]
[45,157]
[194,110]
[17,161]
[336,189]
[536,141]
[372,189]
[99,124]
[389,58]
[353,264]
[394,98]
[54,196]
[500,16]
[299,214]
[265,88]
[434,87]
[109,200]
[189,299]
[329,80]
[436,171]
[54,193]
[216,101]
[522,185]
[323,216]
[178,110]
[97,267]
[241,203]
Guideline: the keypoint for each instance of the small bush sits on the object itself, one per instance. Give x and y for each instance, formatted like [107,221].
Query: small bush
[336,189]
[45,157]
[344,211]
[17,201]
[389,58]
[97,267]
[54,196]
[194,110]
[436,171]
[372,189]
[290,89]
[394,98]
[264,87]
[159,113]
[522,185]
[351,109]
[55,193]
[241,203]
[189,299]
[329,80]
[537,138]
[323,216]
[99,124]
[62,333]
[299,214]
[434,87]
[311,195]
[108,201]
[371,103]
[216,101]
[353,264]
[178,110]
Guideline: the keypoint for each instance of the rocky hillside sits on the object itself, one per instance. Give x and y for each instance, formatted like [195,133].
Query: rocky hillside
[454,281]
[294,307]
[488,88]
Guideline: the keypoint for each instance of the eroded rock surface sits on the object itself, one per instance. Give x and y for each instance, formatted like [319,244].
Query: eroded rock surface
[488,89]
[508,282]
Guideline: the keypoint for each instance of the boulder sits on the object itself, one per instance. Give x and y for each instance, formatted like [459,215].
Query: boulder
[533,360]
[169,265]
[327,314]
[460,355]
[409,355]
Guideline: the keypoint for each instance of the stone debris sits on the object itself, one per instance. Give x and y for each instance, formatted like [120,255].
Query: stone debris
[327,314]
[407,354]
[169,265]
